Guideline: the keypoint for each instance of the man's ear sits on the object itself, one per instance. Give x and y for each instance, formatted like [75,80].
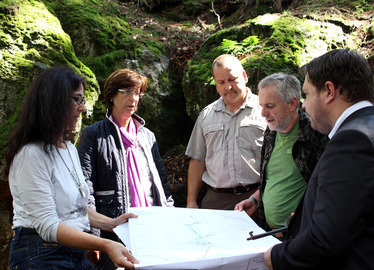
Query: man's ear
[330,92]
[245,76]
[294,103]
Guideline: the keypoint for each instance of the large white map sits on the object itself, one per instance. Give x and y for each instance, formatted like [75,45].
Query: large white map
[182,238]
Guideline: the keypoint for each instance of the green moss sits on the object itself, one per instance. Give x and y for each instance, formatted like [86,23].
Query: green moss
[89,20]
[32,37]
[165,79]
[100,34]
[267,44]
[155,47]
[99,111]
[299,40]
[358,6]
[6,127]
[102,65]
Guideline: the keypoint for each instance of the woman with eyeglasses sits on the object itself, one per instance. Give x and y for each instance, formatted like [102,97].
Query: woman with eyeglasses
[50,196]
[120,157]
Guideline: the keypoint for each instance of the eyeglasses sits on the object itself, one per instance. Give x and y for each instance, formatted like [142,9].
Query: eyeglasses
[129,93]
[79,100]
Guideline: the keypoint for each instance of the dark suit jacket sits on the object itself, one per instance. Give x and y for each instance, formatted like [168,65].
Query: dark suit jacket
[337,222]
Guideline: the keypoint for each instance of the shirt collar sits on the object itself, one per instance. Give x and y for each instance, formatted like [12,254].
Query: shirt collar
[355,107]
[139,122]
[248,102]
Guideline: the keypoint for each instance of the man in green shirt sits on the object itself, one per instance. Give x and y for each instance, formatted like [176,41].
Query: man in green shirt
[289,153]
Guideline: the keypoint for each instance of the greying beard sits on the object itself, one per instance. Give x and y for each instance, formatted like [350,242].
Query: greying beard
[285,124]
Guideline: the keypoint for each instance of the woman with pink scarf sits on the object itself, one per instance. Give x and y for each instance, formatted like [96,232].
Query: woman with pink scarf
[120,157]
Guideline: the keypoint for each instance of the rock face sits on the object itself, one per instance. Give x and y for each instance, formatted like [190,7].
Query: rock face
[31,39]
[267,44]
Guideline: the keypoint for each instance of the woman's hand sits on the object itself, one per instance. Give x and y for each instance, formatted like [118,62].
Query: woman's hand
[123,219]
[105,223]
[120,255]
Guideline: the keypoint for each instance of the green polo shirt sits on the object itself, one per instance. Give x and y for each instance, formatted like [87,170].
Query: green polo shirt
[285,185]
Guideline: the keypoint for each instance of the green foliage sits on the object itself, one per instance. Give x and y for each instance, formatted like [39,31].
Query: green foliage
[248,45]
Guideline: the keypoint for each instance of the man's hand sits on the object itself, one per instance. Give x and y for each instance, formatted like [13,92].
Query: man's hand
[192,205]
[267,258]
[248,205]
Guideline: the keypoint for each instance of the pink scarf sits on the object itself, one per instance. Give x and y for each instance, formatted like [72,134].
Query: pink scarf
[129,139]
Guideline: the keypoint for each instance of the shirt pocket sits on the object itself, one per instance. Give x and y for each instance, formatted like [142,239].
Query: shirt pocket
[214,137]
[250,138]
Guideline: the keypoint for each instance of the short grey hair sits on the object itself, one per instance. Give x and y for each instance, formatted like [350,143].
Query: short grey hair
[288,86]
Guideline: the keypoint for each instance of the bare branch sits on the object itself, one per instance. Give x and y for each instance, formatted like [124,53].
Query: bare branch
[218,17]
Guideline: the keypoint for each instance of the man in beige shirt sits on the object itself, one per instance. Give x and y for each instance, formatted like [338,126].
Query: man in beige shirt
[225,144]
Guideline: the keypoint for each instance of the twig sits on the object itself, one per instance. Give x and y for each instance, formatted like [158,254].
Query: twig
[218,17]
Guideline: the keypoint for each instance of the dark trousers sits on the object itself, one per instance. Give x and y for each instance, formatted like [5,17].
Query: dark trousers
[226,201]
[29,251]
[105,263]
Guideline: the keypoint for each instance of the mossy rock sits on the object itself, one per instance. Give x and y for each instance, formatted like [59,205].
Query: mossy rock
[31,39]
[104,41]
[99,32]
[267,44]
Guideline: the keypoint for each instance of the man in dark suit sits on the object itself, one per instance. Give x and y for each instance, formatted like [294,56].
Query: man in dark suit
[337,217]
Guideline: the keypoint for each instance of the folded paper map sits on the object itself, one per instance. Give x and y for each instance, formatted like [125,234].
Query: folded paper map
[184,238]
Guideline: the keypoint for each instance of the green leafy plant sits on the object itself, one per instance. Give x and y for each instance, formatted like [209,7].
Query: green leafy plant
[247,46]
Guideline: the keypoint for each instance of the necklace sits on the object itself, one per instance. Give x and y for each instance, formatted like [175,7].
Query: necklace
[74,173]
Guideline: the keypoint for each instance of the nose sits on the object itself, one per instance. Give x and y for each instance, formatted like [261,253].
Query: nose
[133,98]
[228,86]
[82,107]
[264,113]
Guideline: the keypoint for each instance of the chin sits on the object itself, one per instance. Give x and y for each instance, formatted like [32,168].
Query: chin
[272,126]
[72,127]
[318,128]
